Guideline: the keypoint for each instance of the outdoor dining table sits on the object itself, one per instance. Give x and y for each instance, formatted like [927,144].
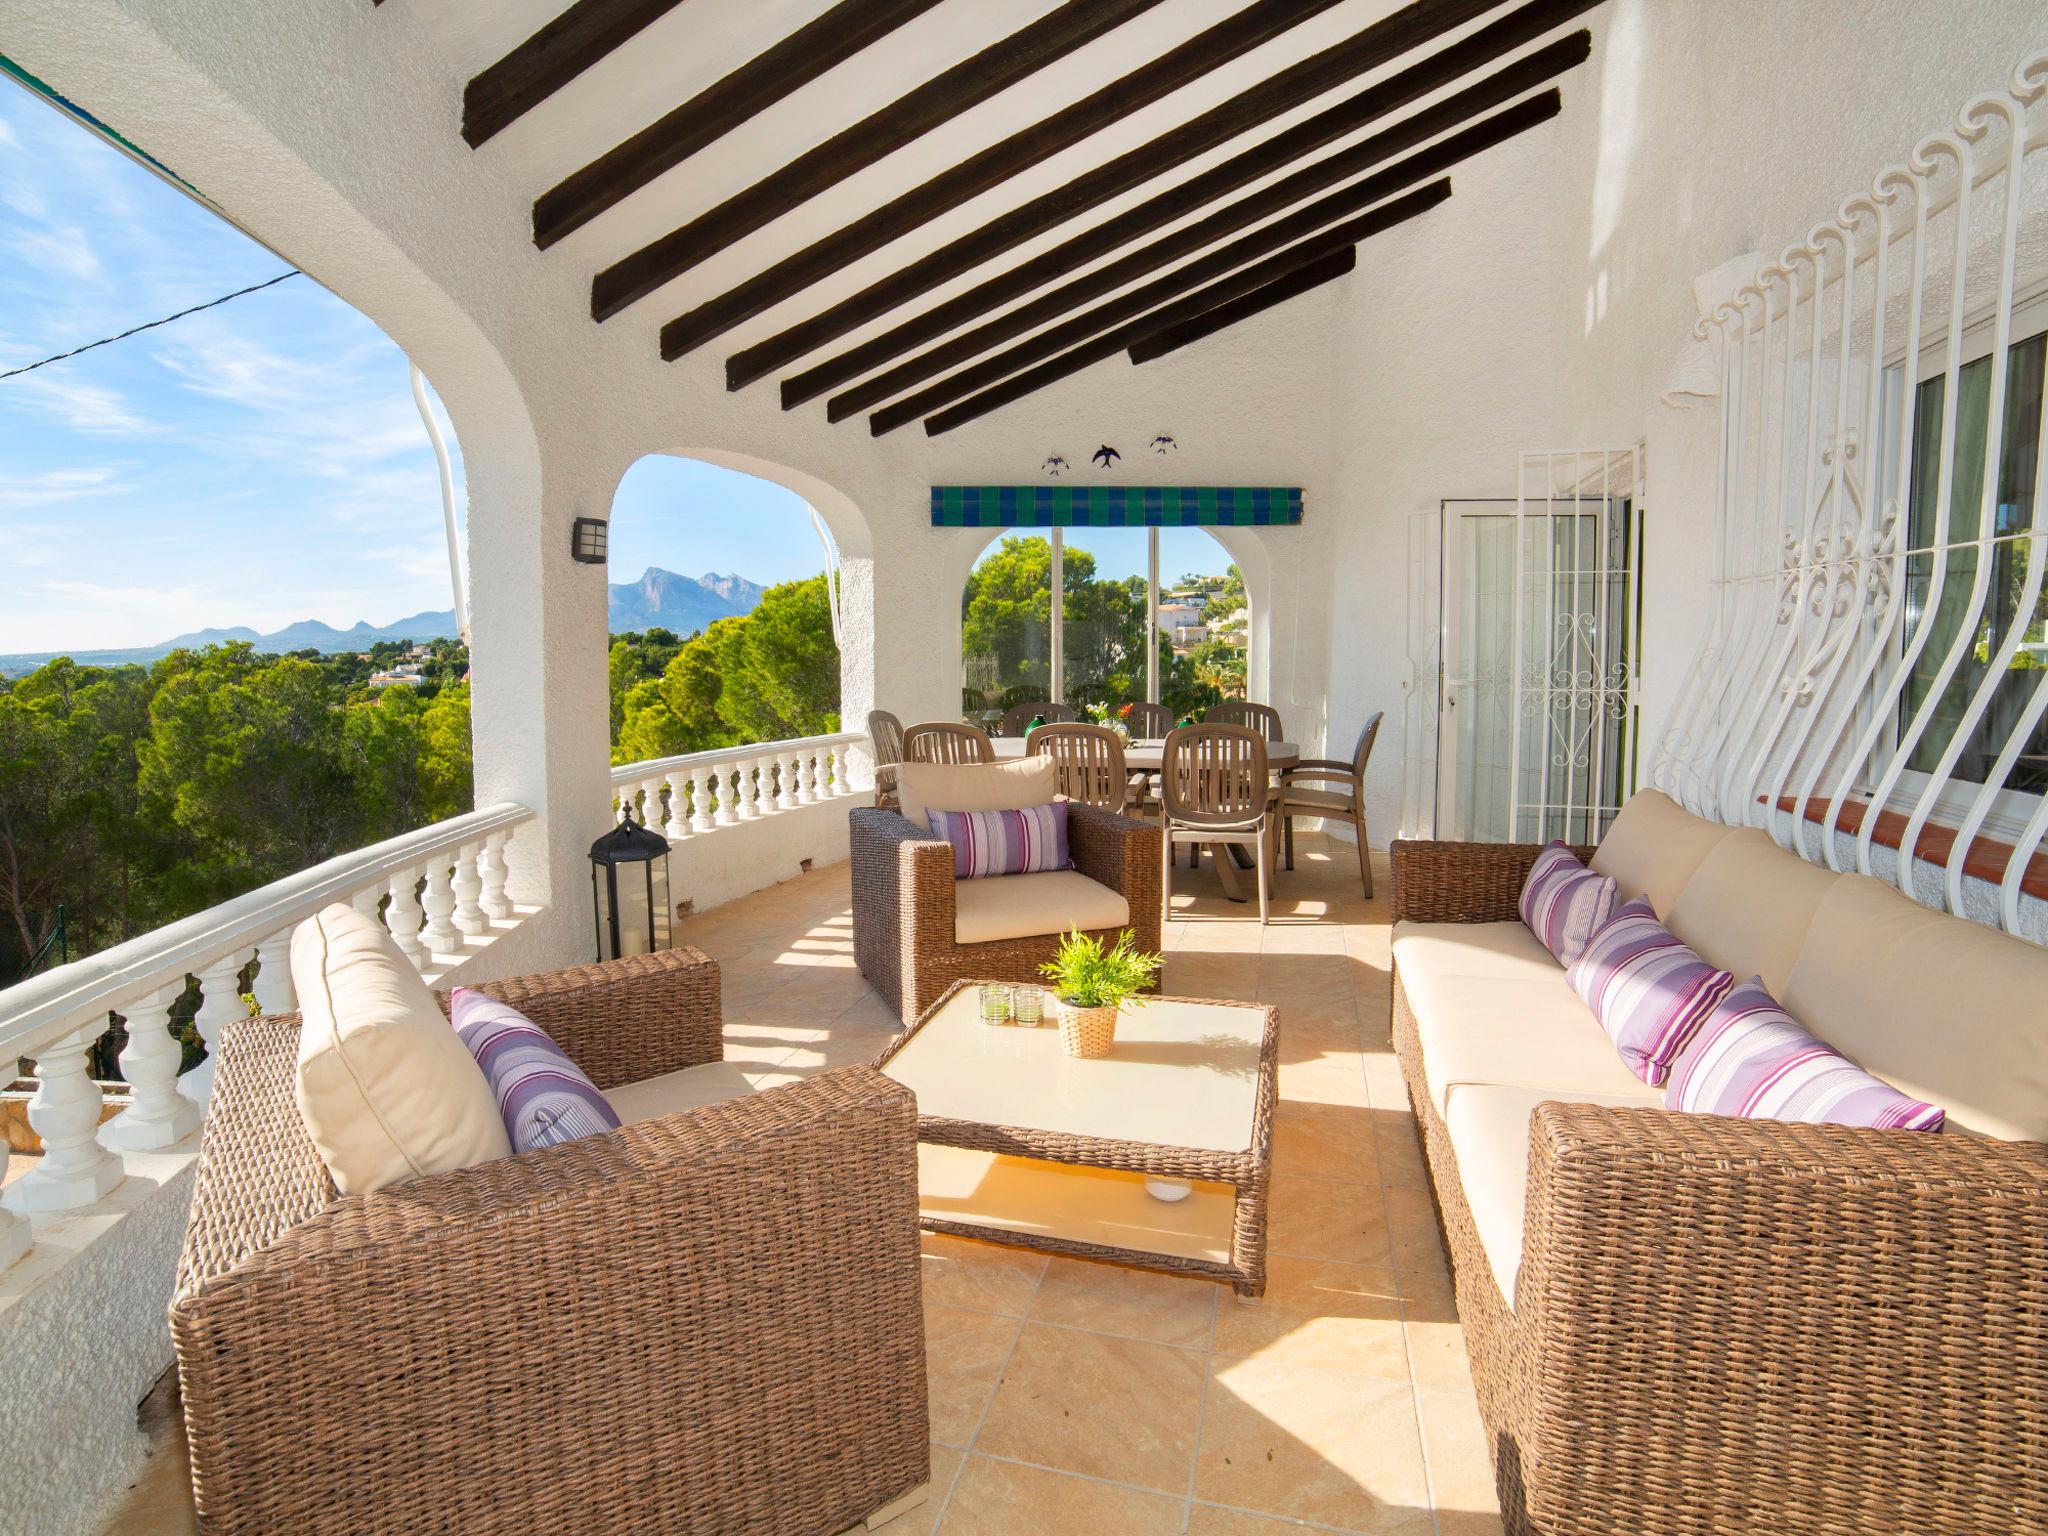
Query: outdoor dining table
[1147,756]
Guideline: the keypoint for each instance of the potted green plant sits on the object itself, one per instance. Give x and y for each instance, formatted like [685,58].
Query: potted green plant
[1091,980]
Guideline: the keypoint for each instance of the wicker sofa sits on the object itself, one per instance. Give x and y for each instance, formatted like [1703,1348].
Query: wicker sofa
[914,934]
[708,1320]
[1692,1324]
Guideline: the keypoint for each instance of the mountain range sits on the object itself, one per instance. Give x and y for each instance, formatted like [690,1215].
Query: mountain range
[659,598]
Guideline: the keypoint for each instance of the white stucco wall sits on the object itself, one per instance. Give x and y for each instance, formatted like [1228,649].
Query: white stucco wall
[1543,307]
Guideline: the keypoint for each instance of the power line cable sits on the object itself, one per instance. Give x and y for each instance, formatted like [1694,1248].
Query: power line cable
[153,324]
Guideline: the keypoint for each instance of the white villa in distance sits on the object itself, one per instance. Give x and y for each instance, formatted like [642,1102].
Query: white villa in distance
[1595,395]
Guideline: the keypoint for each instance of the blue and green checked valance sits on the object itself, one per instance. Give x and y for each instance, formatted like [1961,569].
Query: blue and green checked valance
[1114,506]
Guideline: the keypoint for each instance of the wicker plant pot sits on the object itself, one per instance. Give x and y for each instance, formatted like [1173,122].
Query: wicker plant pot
[1086,1032]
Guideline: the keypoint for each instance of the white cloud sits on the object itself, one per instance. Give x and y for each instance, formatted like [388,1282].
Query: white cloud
[55,485]
[62,250]
[90,408]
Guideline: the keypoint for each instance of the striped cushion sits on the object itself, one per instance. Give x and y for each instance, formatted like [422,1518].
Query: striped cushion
[544,1096]
[1026,842]
[1564,903]
[1649,991]
[1754,1060]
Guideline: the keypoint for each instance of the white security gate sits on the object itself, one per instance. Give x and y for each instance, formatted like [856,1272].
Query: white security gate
[1419,686]
[1538,625]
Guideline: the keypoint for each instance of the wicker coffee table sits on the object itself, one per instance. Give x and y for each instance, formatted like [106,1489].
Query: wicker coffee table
[1020,1143]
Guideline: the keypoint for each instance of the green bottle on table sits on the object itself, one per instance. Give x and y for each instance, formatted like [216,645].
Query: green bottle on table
[1037,721]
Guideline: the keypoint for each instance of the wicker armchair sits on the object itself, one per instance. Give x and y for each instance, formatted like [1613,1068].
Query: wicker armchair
[705,1322]
[903,931]
[1728,1325]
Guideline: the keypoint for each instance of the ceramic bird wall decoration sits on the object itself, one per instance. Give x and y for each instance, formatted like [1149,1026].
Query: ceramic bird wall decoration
[1106,456]
[1053,465]
[1162,443]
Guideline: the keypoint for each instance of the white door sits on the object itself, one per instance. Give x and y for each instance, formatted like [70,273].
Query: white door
[1536,729]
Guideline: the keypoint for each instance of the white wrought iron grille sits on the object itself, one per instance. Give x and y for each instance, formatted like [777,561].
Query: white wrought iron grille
[1575,627]
[1874,673]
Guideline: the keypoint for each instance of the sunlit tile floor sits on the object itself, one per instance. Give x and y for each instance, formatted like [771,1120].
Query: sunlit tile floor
[1068,1396]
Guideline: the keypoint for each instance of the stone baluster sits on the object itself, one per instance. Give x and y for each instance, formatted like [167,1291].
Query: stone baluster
[220,1003]
[700,801]
[676,826]
[807,782]
[493,871]
[157,1115]
[273,984]
[403,916]
[722,776]
[752,772]
[15,1238]
[74,1169]
[440,935]
[470,917]
[791,774]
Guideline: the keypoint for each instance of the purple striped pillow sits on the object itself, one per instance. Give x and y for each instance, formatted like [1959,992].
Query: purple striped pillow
[985,843]
[1753,1060]
[544,1096]
[1648,990]
[1564,903]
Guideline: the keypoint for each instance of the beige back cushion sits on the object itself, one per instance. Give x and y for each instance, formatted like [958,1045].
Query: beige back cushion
[386,1087]
[1653,848]
[1748,906]
[1946,1009]
[975,786]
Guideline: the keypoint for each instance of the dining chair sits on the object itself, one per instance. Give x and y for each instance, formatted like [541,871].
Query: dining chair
[1089,760]
[1347,800]
[1018,717]
[885,735]
[1262,718]
[1148,722]
[942,741]
[1214,788]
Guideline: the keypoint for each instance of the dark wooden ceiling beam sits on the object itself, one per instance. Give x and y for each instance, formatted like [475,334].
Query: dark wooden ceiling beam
[550,59]
[1174,247]
[1107,343]
[1261,160]
[1199,55]
[995,68]
[1363,51]
[1180,333]
[814,48]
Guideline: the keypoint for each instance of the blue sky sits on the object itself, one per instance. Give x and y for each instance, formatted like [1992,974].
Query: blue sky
[262,462]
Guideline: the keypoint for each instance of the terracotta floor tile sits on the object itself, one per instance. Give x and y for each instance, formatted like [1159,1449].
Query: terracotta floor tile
[1326,1142]
[964,1354]
[1455,1448]
[1320,1080]
[1105,1407]
[1285,1439]
[1340,1317]
[1322,1219]
[1001,1498]
[924,1519]
[1132,1303]
[981,1277]
[1213,1520]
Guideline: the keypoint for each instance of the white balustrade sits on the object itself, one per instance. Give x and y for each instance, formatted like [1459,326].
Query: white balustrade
[731,786]
[468,883]
[676,825]
[158,1115]
[403,916]
[752,771]
[439,933]
[700,800]
[493,871]
[273,985]
[722,780]
[807,775]
[74,1169]
[58,1016]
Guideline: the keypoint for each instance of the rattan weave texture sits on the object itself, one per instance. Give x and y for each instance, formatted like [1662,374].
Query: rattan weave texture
[1744,1326]
[705,1322]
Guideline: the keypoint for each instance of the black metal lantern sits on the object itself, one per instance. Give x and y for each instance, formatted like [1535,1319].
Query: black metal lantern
[636,908]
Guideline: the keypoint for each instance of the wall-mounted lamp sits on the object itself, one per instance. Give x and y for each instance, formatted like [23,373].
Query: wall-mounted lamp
[587,540]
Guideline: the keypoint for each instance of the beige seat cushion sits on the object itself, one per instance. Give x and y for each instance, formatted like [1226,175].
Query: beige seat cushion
[1493,1008]
[1653,848]
[1336,800]
[1488,1128]
[1748,906]
[674,1092]
[387,1089]
[1945,1009]
[975,786]
[1024,906]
